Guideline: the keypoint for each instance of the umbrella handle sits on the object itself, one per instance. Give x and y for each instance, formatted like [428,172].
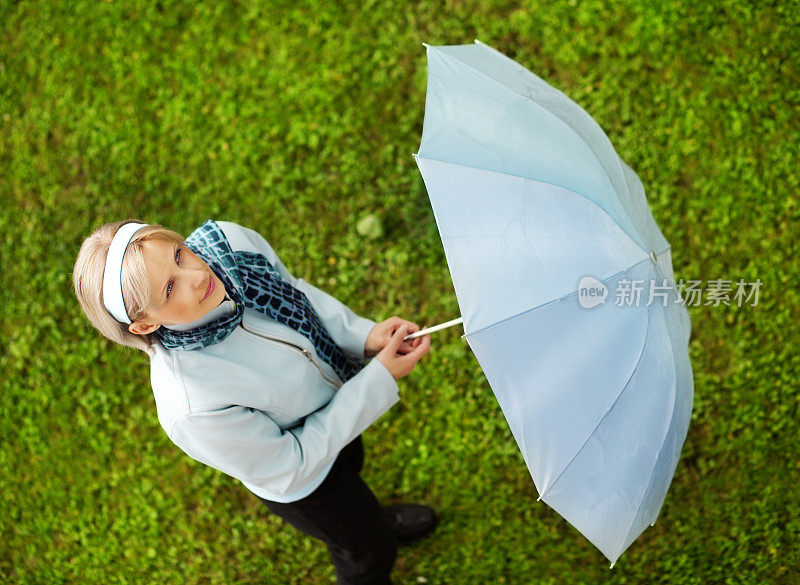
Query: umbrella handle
[434,328]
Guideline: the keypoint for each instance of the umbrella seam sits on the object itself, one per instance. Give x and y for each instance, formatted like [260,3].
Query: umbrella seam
[559,299]
[610,408]
[655,463]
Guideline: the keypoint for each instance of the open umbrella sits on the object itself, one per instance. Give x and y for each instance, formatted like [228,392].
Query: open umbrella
[541,224]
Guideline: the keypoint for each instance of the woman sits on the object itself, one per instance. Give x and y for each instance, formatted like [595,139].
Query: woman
[260,375]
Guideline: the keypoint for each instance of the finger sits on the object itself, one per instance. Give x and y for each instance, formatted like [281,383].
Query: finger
[397,337]
[409,345]
[424,345]
[390,325]
[395,328]
[412,328]
[420,350]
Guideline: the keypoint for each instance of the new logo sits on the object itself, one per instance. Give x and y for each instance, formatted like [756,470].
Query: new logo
[591,292]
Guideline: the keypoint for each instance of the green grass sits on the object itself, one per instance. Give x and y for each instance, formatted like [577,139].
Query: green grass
[297,119]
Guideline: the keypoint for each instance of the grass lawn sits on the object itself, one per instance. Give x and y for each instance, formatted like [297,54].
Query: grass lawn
[298,119]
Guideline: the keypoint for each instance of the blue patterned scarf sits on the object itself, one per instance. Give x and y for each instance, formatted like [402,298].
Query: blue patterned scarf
[251,281]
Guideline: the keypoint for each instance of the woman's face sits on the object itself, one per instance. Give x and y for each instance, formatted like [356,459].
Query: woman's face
[179,279]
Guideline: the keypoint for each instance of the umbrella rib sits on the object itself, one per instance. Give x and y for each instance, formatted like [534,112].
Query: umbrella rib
[559,299]
[660,451]
[610,408]
[461,164]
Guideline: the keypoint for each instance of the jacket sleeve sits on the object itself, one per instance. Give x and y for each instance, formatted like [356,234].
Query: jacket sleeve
[348,330]
[247,444]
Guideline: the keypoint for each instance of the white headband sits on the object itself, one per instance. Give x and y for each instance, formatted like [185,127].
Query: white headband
[112,277]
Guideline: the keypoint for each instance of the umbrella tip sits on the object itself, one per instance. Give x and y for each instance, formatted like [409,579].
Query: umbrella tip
[539,499]
[425,45]
[477,41]
[612,566]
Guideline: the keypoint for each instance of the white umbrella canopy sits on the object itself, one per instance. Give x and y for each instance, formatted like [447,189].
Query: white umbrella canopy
[541,222]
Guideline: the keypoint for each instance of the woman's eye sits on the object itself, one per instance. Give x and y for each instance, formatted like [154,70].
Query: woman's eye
[177,258]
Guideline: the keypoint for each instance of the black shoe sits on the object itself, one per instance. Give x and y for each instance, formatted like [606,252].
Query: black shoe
[410,522]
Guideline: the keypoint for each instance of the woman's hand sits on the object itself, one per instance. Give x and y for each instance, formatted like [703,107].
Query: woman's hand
[398,364]
[382,333]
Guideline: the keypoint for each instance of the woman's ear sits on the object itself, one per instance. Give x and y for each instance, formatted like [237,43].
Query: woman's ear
[141,328]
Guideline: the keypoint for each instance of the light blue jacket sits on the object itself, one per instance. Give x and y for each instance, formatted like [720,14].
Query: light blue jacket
[261,405]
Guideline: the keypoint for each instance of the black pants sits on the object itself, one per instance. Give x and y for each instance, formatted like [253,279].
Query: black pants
[344,514]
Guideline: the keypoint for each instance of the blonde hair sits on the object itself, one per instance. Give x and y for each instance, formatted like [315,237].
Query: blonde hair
[87,278]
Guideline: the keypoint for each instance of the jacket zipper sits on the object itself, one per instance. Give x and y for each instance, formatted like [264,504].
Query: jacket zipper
[303,350]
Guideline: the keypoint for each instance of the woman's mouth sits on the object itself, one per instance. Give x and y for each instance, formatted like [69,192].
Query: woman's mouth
[211,287]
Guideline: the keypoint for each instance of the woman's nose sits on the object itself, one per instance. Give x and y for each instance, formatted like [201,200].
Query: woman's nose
[200,279]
